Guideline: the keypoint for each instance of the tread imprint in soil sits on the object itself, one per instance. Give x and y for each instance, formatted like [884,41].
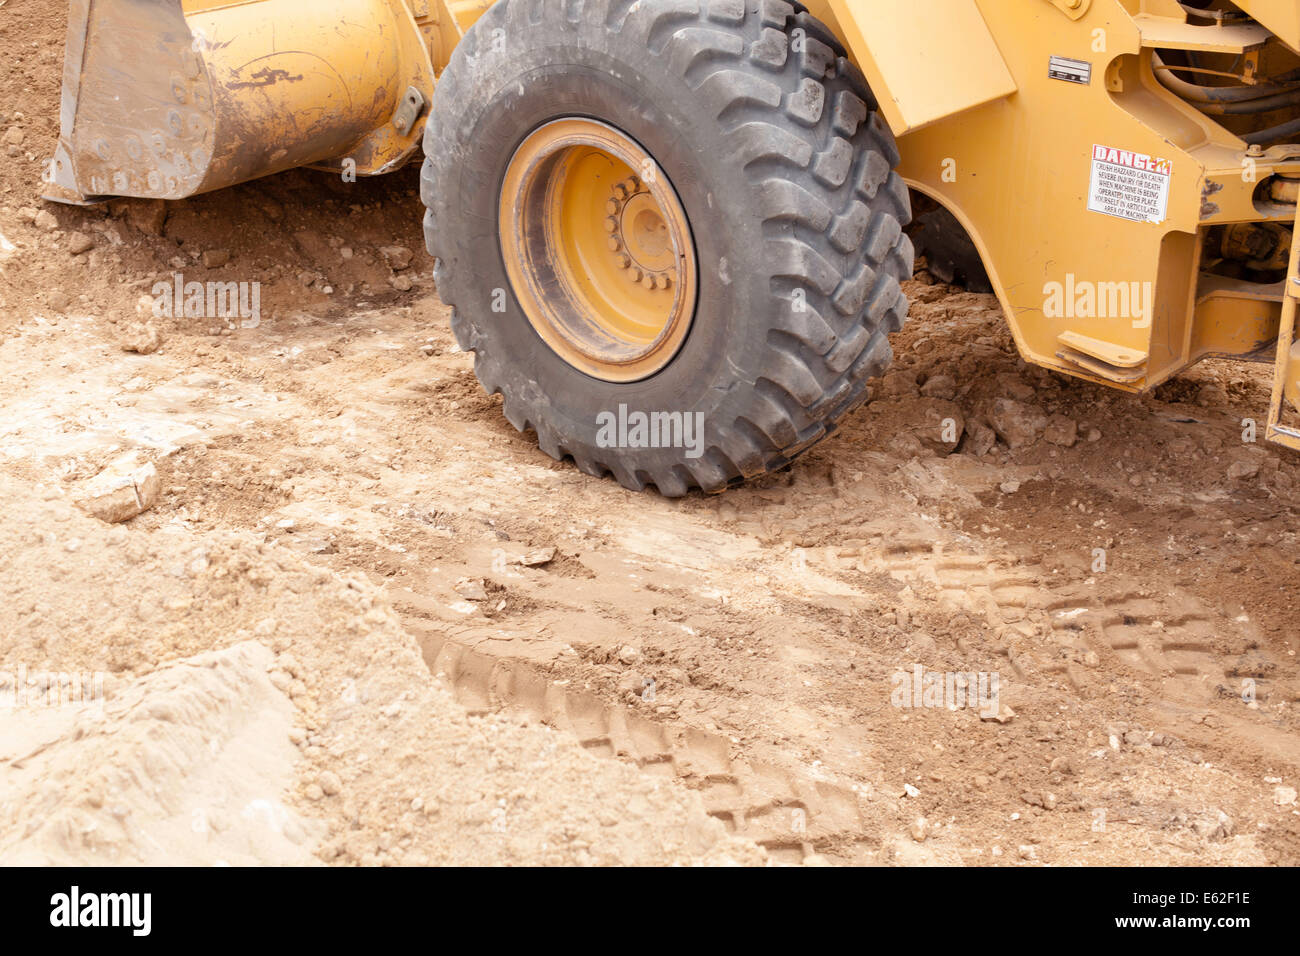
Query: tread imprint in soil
[789,815]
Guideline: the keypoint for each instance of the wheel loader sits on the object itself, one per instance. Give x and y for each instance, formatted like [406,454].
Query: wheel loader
[672,232]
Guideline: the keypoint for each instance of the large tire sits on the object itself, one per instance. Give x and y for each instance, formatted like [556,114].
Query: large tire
[950,254]
[772,142]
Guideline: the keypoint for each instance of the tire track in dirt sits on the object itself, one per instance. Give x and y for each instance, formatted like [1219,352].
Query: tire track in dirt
[792,817]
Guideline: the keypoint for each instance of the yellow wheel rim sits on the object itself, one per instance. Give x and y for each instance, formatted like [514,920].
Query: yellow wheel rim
[598,249]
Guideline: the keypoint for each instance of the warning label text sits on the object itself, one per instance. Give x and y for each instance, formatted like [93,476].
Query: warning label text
[1129,185]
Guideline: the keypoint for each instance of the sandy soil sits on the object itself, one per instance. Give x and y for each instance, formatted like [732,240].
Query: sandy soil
[364,621]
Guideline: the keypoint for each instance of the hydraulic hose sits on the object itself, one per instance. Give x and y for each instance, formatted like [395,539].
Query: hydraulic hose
[1219,94]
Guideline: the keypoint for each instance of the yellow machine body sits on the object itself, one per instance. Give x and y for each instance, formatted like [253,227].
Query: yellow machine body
[1103,203]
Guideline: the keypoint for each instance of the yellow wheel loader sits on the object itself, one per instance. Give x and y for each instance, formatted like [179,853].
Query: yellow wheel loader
[672,231]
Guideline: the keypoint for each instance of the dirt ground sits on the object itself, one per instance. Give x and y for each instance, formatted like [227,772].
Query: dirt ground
[365,621]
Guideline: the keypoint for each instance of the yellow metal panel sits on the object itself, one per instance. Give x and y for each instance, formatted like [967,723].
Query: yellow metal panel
[925,59]
[1166,33]
[1285,372]
[1108,352]
[1280,16]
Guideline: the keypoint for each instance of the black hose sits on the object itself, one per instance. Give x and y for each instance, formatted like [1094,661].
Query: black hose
[1273,133]
[1265,104]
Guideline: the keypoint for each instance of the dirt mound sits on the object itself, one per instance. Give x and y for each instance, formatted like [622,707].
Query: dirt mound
[256,709]
[185,766]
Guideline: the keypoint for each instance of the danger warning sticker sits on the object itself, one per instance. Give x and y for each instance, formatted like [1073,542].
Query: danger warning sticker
[1129,185]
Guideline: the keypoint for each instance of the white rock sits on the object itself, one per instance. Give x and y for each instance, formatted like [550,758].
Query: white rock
[121,491]
[470,589]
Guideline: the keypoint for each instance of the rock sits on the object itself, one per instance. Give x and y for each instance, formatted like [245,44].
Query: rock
[59,301]
[1215,828]
[919,829]
[628,654]
[147,215]
[1284,796]
[401,283]
[1094,435]
[538,557]
[1212,394]
[312,545]
[939,386]
[215,258]
[1009,487]
[980,439]
[1013,386]
[329,783]
[121,491]
[27,214]
[14,136]
[1017,424]
[471,589]
[632,682]
[899,383]
[1003,716]
[397,257]
[1243,469]
[79,242]
[1028,852]
[1061,431]
[929,423]
[142,337]
[45,220]
[314,246]
[271,209]
[910,791]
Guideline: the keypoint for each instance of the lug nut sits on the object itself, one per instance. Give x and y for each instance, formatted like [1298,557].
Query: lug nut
[610,224]
[614,244]
[620,192]
[623,261]
[635,274]
[648,281]
[611,207]
[664,281]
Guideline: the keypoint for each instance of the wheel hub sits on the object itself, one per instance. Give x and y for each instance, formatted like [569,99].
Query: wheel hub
[600,257]
[639,236]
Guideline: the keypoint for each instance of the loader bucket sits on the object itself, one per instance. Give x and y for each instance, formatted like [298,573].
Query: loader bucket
[169,98]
